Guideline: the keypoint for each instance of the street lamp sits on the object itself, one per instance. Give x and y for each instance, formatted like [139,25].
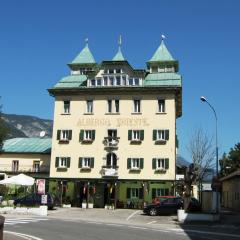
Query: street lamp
[203,99]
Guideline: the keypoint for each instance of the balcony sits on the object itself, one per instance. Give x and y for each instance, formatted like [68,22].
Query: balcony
[111,142]
[24,168]
[109,171]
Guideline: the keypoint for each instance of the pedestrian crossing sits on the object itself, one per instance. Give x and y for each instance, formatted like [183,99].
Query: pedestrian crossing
[15,221]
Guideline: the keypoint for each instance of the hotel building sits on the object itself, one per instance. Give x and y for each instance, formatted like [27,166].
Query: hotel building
[114,133]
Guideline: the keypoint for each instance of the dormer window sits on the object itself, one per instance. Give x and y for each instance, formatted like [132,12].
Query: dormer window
[118,70]
[110,71]
[99,81]
[93,82]
[111,81]
[124,80]
[118,80]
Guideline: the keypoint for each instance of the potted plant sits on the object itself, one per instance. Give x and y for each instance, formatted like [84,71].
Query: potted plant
[90,202]
[84,203]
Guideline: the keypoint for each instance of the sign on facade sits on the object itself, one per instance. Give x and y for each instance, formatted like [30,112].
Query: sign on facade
[41,186]
[44,199]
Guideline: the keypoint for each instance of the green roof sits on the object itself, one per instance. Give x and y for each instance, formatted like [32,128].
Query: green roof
[84,57]
[162,54]
[163,79]
[71,81]
[27,145]
[118,56]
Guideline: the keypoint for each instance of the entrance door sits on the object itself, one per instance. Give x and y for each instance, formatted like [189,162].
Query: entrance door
[99,196]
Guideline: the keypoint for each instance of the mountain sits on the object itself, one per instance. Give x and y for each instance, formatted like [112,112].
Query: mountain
[27,126]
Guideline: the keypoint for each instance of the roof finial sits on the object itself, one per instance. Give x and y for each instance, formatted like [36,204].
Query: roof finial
[119,42]
[162,37]
[86,41]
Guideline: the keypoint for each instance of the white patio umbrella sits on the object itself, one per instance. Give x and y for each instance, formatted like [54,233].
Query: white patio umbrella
[21,179]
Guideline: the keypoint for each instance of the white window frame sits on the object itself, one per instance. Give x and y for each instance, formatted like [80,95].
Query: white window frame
[15,165]
[136,135]
[89,106]
[135,163]
[160,163]
[136,106]
[66,107]
[98,80]
[86,162]
[36,166]
[161,136]
[64,135]
[112,106]
[62,163]
[87,136]
[161,105]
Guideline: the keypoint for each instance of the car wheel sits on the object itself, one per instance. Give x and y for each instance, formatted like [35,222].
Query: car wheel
[153,212]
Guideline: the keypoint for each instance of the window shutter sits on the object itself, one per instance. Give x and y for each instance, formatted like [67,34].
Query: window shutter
[80,163]
[154,135]
[81,135]
[129,135]
[58,134]
[69,134]
[128,163]
[166,163]
[141,135]
[140,193]
[57,162]
[128,193]
[154,163]
[93,134]
[141,163]
[68,162]
[166,134]
[92,162]
[153,192]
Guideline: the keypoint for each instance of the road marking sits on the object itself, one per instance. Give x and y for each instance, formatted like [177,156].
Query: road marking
[112,224]
[136,227]
[15,221]
[94,222]
[25,236]
[151,222]
[133,214]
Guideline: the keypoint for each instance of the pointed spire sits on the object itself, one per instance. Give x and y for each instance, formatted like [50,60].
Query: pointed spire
[119,55]
[162,53]
[85,56]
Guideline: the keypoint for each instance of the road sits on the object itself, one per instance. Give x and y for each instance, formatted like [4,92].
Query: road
[71,229]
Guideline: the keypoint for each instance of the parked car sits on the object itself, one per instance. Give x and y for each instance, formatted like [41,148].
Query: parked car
[168,206]
[33,200]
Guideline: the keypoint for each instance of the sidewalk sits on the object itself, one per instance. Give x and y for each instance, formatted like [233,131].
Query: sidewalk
[8,236]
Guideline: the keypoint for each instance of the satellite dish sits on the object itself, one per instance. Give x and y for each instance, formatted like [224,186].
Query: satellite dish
[42,134]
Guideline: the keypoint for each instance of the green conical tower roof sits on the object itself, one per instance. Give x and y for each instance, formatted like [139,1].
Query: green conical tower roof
[162,54]
[118,56]
[84,57]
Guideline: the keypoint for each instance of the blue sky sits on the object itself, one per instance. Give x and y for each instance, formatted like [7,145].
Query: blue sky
[38,39]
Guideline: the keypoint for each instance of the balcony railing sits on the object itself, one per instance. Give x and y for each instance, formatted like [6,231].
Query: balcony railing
[109,171]
[111,142]
[24,168]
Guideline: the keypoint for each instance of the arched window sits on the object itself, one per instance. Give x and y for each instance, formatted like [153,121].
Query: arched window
[111,160]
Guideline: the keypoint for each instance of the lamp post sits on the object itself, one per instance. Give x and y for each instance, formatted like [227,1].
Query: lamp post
[203,99]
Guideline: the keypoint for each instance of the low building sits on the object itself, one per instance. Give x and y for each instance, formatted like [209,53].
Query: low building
[231,191]
[30,156]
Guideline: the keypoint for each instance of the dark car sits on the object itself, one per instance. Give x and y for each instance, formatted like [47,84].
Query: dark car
[194,205]
[168,206]
[157,200]
[33,200]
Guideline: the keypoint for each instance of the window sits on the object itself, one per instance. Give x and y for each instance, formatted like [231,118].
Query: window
[105,80]
[62,162]
[111,160]
[87,135]
[161,105]
[15,165]
[66,107]
[134,193]
[160,163]
[36,166]
[86,162]
[64,135]
[136,81]
[158,192]
[118,70]
[124,82]
[136,106]
[118,80]
[111,81]
[93,82]
[99,81]
[160,135]
[136,135]
[113,106]
[110,71]
[130,81]
[135,163]
[89,106]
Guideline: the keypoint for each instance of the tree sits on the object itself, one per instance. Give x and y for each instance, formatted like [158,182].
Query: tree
[3,129]
[202,154]
[230,162]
